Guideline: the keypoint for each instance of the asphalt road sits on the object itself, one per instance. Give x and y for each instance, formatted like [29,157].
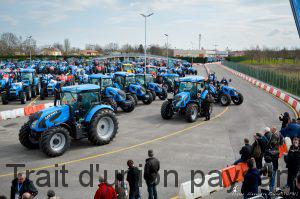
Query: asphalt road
[178,145]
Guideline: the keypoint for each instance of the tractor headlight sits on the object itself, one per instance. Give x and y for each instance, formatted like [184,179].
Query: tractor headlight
[33,124]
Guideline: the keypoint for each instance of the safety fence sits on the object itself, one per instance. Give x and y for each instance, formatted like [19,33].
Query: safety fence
[286,81]
[20,112]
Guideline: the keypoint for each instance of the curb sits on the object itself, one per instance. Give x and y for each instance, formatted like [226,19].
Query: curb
[25,111]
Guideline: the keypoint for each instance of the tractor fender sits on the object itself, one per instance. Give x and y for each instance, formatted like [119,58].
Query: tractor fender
[204,94]
[155,87]
[95,109]
[117,86]
[111,92]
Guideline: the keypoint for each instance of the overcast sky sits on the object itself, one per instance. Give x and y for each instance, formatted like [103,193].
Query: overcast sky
[237,24]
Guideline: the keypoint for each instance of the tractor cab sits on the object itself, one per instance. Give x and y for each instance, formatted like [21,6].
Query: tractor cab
[170,81]
[123,80]
[147,81]
[81,98]
[152,70]
[27,76]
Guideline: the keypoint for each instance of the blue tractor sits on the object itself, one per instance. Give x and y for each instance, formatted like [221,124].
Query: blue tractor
[30,83]
[111,95]
[49,86]
[15,91]
[188,100]
[170,81]
[80,115]
[147,81]
[127,82]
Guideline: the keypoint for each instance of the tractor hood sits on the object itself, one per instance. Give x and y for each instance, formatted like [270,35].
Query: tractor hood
[16,86]
[137,89]
[156,87]
[115,93]
[49,117]
[181,99]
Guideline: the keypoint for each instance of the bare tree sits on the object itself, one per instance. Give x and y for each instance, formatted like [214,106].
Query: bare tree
[67,46]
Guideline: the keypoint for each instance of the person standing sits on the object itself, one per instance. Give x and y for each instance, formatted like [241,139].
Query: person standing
[252,180]
[293,163]
[285,119]
[151,169]
[245,152]
[121,187]
[133,178]
[105,191]
[22,185]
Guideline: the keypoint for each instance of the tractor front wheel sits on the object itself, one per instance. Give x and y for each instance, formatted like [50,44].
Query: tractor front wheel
[22,97]
[55,141]
[238,100]
[26,139]
[33,91]
[166,110]
[104,127]
[129,108]
[153,95]
[225,99]
[148,98]
[191,113]
[28,93]
[135,98]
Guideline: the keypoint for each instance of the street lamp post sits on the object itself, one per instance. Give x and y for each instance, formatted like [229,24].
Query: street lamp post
[192,52]
[145,50]
[29,37]
[167,49]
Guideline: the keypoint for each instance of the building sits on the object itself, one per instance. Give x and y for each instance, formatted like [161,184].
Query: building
[236,53]
[89,52]
[199,53]
[51,52]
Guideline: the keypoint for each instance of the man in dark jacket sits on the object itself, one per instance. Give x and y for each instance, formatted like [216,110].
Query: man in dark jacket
[252,180]
[292,130]
[293,163]
[133,178]
[21,185]
[245,152]
[150,174]
[285,119]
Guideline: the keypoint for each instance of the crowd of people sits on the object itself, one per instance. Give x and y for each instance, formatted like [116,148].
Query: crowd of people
[262,158]
[23,188]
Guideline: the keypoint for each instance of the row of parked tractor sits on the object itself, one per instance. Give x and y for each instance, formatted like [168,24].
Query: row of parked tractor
[86,109]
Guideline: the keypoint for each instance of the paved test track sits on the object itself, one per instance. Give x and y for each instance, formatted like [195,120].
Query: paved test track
[178,145]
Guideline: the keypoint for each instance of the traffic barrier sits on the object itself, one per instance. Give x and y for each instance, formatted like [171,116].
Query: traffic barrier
[186,192]
[19,112]
[47,105]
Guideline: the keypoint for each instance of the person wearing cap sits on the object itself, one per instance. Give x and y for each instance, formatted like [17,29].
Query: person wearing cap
[51,195]
[133,179]
[105,191]
[151,169]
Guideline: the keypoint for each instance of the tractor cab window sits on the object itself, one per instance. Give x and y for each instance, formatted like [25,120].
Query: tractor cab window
[27,77]
[130,80]
[140,79]
[69,98]
[185,86]
[106,82]
[120,80]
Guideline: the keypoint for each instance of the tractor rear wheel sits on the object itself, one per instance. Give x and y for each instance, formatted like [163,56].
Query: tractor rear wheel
[225,99]
[148,98]
[37,89]
[4,98]
[166,110]
[129,108]
[163,95]
[153,95]
[26,139]
[55,141]
[191,113]
[238,100]
[104,127]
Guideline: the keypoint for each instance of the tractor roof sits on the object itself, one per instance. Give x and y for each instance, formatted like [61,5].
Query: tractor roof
[143,74]
[27,70]
[192,79]
[100,76]
[124,74]
[80,88]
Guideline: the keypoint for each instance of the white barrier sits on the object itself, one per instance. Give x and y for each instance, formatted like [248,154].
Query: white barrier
[19,112]
[185,191]
[47,105]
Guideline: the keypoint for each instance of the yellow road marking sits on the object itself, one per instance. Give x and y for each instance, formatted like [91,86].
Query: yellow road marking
[121,149]
[33,101]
